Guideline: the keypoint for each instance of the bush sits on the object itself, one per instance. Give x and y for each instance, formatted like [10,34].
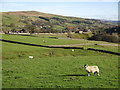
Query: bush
[78,36]
[105,37]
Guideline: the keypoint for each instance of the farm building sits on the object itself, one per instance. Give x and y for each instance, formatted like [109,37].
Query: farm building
[79,31]
[22,31]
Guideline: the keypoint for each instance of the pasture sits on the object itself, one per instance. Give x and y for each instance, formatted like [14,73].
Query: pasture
[55,67]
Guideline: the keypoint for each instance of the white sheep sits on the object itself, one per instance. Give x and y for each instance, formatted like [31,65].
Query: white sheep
[72,49]
[44,41]
[92,69]
[31,57]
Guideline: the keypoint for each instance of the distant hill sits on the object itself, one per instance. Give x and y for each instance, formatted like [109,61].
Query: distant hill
[111,21]
[28,13]
[44,22]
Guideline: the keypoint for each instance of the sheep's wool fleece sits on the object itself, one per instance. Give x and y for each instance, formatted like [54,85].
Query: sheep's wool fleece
[92,69]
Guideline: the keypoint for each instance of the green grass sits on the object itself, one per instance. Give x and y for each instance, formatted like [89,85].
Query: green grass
[57,27]
[39,40]
[8,19]
[55,68]
[106,47]
[51,41]
[53,73]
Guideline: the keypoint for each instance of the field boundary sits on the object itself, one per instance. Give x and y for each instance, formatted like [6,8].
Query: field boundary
[105,51]
[54,46]
[41,45]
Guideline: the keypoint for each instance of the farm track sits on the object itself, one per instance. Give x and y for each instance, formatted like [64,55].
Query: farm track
[86,44]
[62,46]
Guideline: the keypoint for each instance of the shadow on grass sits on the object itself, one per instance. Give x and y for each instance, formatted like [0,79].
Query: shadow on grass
[73,75]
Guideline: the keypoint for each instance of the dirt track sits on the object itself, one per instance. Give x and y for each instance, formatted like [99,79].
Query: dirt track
[86,44]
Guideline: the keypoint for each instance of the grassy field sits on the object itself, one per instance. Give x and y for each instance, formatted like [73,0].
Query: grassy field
[55,68]
[50,40]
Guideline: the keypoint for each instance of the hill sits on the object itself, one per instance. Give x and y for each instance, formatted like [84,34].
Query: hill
[44,22]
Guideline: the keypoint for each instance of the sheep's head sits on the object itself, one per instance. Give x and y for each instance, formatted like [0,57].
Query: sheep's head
[85,65]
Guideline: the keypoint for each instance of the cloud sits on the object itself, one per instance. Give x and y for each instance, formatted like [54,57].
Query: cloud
[59,0]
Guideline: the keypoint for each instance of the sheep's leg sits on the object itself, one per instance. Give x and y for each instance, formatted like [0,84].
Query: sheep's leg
[94,73]
[88,74]
[98,73]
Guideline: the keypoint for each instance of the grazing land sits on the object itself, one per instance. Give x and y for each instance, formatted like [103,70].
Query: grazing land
[56,67]
[52,39]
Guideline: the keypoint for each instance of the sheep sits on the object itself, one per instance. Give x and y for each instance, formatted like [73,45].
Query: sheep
[72,49]
[31,57]
[44,41]
[92,69]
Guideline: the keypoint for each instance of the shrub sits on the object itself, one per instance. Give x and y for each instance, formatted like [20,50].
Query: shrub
[105,37]
[77,36]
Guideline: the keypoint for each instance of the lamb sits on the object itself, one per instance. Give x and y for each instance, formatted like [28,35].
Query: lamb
[92,69]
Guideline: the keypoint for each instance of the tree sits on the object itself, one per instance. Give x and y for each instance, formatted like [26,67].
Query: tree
[12,25]
[30,28]
[86,29]
[13,30]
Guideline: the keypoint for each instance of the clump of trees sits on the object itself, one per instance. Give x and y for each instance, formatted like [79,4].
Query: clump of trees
[79,35]
[30,28]
[109,35]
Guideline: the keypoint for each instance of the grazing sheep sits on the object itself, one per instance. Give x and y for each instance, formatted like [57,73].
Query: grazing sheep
[31,57]
[92,69]
[72,49]
[44,41]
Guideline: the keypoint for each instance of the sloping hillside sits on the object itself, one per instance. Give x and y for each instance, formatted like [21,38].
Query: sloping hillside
[43,22]
[28,13]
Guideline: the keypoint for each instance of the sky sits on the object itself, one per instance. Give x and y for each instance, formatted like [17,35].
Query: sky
[95,9]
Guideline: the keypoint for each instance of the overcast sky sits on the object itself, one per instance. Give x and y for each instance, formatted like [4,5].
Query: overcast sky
[98,9]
